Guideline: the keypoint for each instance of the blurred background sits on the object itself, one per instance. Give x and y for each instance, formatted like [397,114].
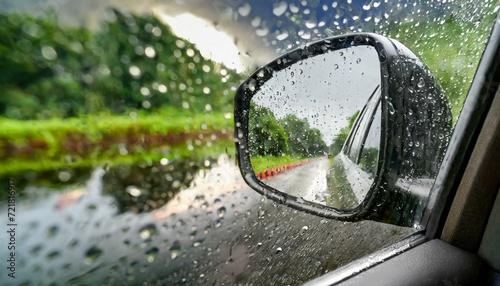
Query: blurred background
[140,94]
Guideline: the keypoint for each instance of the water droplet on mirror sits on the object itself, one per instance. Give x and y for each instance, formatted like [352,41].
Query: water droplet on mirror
[391,108]
[151,254]
[135,71]
[279,249]
[221,212]
[358,60]
[252,85]
[218,223]
[52,255]
[92,254]
[175,249]
[52,231]
[310,24]
[147,231]
[49,53]
[150,52]
[261,213]
[198,242]
[262,32]
[336,66]
[64,176]
[421,83]
[418,227]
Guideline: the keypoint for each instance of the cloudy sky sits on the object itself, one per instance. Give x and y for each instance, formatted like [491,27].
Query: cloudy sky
[325,90]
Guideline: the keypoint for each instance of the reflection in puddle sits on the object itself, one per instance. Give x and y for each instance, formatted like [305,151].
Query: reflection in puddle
[216,231]
[92,234]
[148,186]
[137,188]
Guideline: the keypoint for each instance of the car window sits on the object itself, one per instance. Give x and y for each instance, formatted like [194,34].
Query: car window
[355,144]
[116,145]
[371,146]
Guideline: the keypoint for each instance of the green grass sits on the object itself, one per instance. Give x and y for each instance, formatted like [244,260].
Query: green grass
[93,140]
[165,120]
[13,165]
[262,163]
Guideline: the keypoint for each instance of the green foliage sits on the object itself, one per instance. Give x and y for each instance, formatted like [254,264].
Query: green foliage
[262,163]
[288,136]
[369,159]
[341,137]
[266,135]
[303,140]
[132,63]
[100,138]
[451,48]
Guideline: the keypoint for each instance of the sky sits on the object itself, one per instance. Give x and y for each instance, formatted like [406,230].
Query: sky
[212,43]
[325,89]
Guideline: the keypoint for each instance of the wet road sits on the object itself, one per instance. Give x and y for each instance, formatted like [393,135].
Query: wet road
[308,181]
[217,231]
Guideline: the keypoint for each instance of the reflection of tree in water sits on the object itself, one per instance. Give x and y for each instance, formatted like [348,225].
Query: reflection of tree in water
[52,180]
[341,193]
[137,188]
[148,186]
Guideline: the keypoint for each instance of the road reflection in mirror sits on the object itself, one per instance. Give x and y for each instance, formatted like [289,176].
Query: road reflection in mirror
[302,118]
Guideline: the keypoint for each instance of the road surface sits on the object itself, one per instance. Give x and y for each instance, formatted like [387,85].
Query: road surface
[307,181]
[216,231]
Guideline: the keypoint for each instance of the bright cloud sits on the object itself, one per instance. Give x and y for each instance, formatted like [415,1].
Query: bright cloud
[211,43]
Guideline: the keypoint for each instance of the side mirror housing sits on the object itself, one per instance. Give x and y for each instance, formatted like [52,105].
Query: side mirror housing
[350,127]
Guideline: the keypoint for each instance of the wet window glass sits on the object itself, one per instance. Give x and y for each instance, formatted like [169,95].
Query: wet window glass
[356,142]
[117,157]
[371,146]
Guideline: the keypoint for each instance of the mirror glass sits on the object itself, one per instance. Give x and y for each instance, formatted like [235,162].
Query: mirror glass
[314,127]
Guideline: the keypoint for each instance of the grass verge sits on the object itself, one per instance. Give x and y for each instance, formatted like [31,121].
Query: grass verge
[93,140]
[262,163]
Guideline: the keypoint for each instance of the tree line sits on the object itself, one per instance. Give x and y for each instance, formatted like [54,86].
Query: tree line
[290,135]
[132,63]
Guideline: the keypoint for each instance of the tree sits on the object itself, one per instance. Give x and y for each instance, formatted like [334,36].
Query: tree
[303,140]
[341,137]
[133,62]
[266,134]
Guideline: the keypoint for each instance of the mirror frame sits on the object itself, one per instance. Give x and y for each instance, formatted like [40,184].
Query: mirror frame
[396,65]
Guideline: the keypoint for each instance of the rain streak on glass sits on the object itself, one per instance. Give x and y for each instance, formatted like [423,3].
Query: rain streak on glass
[118,132]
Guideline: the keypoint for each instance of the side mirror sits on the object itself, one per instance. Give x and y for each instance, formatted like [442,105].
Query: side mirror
[350,127]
